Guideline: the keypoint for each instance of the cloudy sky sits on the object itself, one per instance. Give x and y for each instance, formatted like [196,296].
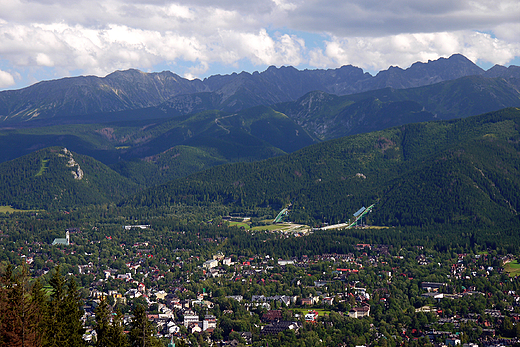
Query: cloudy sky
[49,39]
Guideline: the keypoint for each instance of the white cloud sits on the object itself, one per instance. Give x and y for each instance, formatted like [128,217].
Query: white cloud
[6,79]
[377,53]
[508,32]
[98,37]
[381,18]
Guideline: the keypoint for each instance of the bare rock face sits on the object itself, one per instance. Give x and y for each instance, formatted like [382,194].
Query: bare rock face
[77,173]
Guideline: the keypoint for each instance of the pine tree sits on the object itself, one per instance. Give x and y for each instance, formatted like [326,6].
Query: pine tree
[118,336]
[109,327]
[19,313]
[74,312]
[102,324]
[6,286]
[55,325]
[141,332]
[63,326]
[39,300]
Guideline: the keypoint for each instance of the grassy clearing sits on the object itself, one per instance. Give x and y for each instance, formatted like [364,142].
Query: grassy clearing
[303,311]
[272,227]
[513,268]
[43,167]
[9,209]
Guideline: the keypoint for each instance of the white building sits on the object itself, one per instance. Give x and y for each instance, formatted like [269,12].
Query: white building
[190,319]
[209,264]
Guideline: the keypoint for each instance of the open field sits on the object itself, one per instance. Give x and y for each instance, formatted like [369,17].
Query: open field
[272,227]
[9,209]
[303,311]
[513,268]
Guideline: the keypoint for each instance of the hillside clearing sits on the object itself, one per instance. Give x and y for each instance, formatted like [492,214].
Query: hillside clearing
[512,268]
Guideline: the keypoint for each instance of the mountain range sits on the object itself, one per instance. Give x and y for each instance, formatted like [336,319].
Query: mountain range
[72,99]
[152,128]
[354,138]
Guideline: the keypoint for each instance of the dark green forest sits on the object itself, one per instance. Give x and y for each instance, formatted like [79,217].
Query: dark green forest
[461,172]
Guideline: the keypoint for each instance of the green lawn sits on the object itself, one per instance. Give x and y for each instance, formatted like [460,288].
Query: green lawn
[272,227]
[513,268]
[9,209]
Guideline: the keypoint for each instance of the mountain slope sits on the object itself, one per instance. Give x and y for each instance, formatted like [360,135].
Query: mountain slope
[57,178]
[76,97]
[463,172]
[328,116]
[153,151]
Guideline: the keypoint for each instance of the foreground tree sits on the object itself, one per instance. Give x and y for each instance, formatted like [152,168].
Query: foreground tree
[19,313]
[63,326]
[141,332]
[109,327]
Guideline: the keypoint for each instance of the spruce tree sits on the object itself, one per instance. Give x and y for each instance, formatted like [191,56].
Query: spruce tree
[74,313]
[102,324]
[63,327]
[55,334]
[109,327]
[141,332]
[19,313]
[118,337]
[5,286]
[40,301]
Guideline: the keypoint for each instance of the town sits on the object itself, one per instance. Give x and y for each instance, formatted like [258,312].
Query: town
[377,295]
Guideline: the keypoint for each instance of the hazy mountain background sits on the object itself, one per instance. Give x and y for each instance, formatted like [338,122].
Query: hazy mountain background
[174,95]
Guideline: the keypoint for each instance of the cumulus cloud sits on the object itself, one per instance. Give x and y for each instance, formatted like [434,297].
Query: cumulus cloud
[98,37]
[118,47]
[376,53]
[6,79]
[381,18]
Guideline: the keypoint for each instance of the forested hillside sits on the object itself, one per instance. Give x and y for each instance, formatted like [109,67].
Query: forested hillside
[56,178]
[461,171]
[329,116]
[153,151]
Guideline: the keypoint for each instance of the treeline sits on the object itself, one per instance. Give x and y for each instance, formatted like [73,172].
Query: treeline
[32,315]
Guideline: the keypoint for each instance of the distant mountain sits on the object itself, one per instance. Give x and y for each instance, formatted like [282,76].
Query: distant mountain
[150,149]
[460,172]
[153,151]
[56,178]
[76,98]
[329,116]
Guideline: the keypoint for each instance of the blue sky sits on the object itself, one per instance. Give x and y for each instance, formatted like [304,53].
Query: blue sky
[50,39]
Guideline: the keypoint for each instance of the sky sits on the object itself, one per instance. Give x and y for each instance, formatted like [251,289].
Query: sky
[50,39]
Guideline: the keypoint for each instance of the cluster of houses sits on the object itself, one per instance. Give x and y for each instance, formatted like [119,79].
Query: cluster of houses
[173,313]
